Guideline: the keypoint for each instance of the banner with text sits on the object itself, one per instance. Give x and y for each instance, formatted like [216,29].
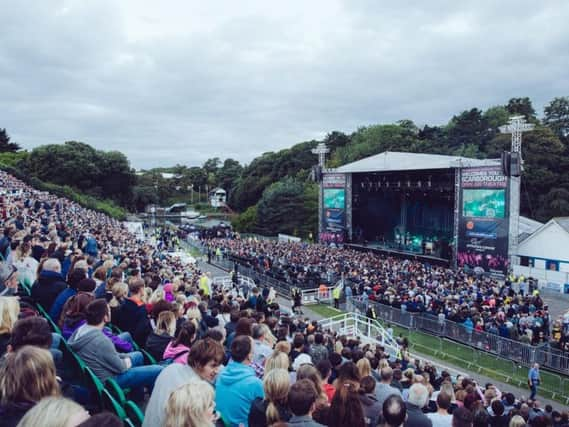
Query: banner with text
[333,208]
[484,220]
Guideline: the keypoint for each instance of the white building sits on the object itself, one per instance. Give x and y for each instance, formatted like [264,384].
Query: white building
[218,197]
[544,254]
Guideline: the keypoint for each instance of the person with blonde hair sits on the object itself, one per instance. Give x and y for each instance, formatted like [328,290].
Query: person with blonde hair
[191,404]
[517,421]
[277,360]
[55,412]
[9,312]
[27,376]
[273,408]
[25,264]
[119,292]
[364,367]
[283,346]
[165,331]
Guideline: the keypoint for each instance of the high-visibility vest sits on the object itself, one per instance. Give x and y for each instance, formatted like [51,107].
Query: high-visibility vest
[336,292]
[203,285]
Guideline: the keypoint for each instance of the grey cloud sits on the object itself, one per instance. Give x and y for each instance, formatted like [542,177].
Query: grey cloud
[218,79]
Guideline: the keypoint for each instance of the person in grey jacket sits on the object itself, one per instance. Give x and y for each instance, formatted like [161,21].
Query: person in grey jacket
[301,401]
[384,389]
[418,398]
[99,354]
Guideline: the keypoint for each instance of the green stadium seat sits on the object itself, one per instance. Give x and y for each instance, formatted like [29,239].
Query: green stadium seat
[44,313]
[75,366]
[114,389]
[95,386]
[111,405]
[134,413]
[149,359]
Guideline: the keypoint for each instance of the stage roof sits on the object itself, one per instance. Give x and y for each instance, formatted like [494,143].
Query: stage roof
[396,161]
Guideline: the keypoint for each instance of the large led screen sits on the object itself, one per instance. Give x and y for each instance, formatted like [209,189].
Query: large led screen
[484,203]
[334,198]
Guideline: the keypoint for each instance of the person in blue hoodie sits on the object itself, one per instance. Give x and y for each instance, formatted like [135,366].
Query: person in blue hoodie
[237,386]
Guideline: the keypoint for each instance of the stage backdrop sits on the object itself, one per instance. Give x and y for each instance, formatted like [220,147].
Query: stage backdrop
[333,208]
[484,219]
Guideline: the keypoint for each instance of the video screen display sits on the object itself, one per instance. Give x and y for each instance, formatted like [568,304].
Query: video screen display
[334,198]
[487,203]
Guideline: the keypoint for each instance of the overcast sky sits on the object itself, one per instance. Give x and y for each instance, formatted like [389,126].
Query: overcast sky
[179,81]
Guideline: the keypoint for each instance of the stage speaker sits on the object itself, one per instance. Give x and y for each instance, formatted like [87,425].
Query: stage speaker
[515,164]
[511,164]
[317,173]
[506,163]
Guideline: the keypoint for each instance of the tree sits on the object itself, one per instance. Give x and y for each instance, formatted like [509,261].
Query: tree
[554,203]
[469,127]
[521,106]
[5,145]
[557,117]
[211,165]
[282,209]
[496,116]
[78,165]
[247,221]
[228,174]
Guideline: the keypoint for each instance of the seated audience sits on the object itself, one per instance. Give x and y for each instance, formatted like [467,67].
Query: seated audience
[237,386]
[100,355]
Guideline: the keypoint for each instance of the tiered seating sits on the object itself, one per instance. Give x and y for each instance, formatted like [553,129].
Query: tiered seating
[100,397]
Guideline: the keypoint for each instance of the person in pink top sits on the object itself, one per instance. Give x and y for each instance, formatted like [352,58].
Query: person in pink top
[169,292]
[178,349]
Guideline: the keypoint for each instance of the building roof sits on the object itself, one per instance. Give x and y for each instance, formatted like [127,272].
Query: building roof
[527,227]
[397,161]
[561,221]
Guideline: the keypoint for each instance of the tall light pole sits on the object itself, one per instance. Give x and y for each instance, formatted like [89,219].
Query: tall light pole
[321,150]
[516,126]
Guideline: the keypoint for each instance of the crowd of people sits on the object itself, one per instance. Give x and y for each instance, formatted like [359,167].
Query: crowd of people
[512,309]
[194,353]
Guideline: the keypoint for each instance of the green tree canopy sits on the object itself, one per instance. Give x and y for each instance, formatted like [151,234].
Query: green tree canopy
[557,117]
[6,146]
[78,165]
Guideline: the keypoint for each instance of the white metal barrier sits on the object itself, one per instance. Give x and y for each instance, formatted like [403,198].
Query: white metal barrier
[370,331]
[226,282]
[318,295]
[367,330]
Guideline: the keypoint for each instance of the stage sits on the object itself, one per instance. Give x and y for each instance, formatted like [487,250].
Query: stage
[379,248]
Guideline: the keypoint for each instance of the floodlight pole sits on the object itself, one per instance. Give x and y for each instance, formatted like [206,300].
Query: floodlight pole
[321,150]
[517,126]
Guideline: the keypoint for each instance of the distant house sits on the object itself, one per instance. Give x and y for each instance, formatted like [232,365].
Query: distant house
[217,197]
[544,254]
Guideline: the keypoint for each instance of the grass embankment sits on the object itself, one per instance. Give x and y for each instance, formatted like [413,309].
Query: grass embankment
[553,386]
